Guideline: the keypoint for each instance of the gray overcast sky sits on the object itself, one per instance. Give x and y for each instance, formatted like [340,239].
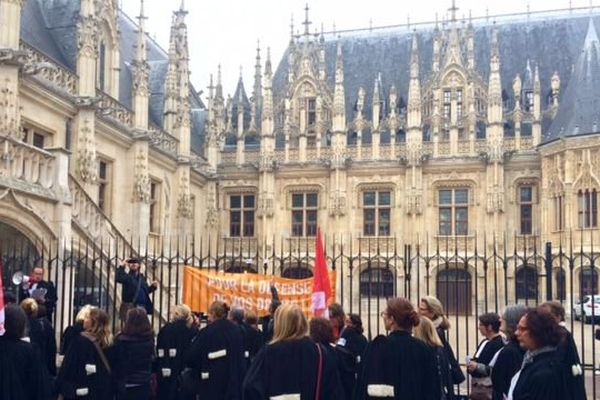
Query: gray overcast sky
[227,31]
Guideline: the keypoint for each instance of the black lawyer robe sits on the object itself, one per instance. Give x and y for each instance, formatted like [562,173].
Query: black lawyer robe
[487,353]
[403,362]
[543,379]
[21,374]
[291,367]
[507,365]
[73,376]
[42,335]
[567,352]
[217,355]
[69,335]
[172,342]
[131,361]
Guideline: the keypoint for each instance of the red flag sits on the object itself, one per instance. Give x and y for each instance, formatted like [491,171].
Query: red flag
[1,299]
[321,293]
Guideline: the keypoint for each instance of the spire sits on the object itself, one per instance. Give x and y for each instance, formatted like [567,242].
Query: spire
[453,11]
[140,56]
[292,29]
[339,97]
[377,102]
[414,88]
[257,91]
[140,74]
[219,87]
[267,94]
[306,22]
[495,84]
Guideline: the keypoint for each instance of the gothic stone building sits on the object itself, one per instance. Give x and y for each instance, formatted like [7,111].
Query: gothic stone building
[462,132]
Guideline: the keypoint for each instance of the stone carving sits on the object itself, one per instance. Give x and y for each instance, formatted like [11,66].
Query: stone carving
[414,201]
[266,205]
[10,111]
[212,214]
[87,28]
[141,186]
[12,57]
[86,154]
[184,200]
[337,204]
[495,200]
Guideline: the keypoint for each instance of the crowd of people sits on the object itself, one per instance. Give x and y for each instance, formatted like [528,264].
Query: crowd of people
[524,354]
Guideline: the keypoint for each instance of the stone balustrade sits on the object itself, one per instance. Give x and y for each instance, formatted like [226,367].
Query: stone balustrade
[24,166]
[49,71]
[163,140]
[108,107]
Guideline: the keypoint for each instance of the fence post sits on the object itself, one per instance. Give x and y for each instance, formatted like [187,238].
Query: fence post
[548,265]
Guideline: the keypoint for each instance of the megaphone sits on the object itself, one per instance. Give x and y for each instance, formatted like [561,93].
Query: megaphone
[18,278]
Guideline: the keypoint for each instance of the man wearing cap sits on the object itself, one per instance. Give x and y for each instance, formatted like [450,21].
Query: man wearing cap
[135,291]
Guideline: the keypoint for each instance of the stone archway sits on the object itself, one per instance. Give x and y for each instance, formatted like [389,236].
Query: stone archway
[17,253]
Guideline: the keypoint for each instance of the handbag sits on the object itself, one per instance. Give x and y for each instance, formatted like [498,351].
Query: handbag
[319,373]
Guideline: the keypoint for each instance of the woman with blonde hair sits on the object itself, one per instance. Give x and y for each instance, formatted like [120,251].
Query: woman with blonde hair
[426,332]
[85,371]
[433,309]
[172,342]
[72,331]
[292,365]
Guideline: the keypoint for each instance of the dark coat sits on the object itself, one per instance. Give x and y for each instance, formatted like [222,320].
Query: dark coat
[173,338]
[456,374]
[354,341]
[543,379]
[217,355]
[403,362]
[291,367]
[50,298]
[350,349]
[42,335]
[507,365]
[444,376]
[70,333]
[21,372]
[73,376]
[129,287]
[132,361]
[487,354]
[567,352]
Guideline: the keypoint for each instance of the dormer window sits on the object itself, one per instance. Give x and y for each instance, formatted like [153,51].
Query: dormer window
[459,104]
[528,101]
[447,104]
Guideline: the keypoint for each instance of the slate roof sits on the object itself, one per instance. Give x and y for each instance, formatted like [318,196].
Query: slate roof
[579,110]
[50,26]
[550,43]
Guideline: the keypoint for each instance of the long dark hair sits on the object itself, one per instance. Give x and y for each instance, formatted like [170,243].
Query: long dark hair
[137,323]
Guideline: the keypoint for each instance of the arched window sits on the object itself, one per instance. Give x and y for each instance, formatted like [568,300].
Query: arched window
[527,283]
[240,267]
[297,272]
[376,282]
[454,290]
[588,281]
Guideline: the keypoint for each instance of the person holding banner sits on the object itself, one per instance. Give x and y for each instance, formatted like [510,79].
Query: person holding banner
[217,356]
[292,366]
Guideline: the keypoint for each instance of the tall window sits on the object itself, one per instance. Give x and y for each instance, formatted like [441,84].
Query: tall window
[304,214]
[459,104]
[447,104]
[559,215]
[311,112]
[154,206]
[102,66]
[526,209]
[104,186]
[241,215]
[588,208]
[376,213]
[454,211]
[529,101]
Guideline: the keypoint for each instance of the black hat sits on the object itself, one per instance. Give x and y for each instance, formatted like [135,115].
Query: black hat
[133,260]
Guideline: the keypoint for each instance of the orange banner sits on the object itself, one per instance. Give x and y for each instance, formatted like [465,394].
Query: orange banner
[247,291]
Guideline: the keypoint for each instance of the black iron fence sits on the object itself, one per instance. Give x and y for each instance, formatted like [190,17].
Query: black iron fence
[470,275]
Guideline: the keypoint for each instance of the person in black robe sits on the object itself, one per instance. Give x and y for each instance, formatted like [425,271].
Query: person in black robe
[217,357]
[542,376]
[41,333]
[133,353]
[72,331]
[352,337]
[479,366]
[292,364]
[426,332]
[568,353]
[40,290]
[507,361]
[255,336]
[85,371]
[21,372]
[399,366]
[172,342]
[433,309]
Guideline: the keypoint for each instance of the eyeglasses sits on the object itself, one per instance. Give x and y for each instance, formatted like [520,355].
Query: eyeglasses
[383,314]
[522,328]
